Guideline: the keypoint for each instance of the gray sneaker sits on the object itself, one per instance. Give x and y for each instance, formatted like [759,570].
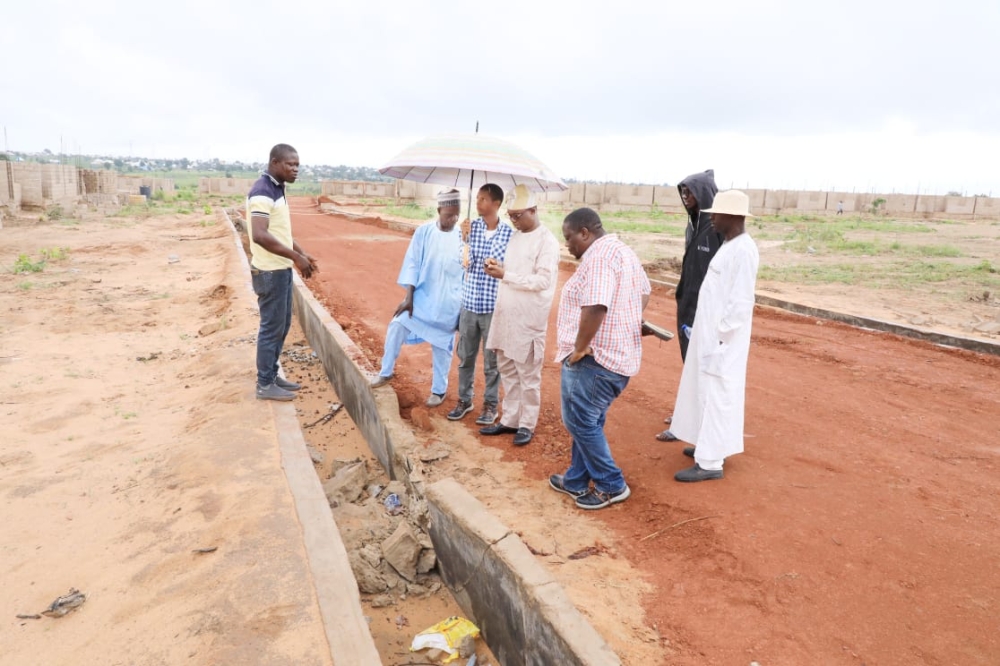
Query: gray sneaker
[281,382]
[379,380]
[435,399]
[461,409]
[273,392]
[489,415]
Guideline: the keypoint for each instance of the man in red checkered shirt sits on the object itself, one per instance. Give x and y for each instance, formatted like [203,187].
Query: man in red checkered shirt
[599,345]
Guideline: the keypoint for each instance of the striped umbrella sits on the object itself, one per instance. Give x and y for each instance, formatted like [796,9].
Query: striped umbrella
[472,160]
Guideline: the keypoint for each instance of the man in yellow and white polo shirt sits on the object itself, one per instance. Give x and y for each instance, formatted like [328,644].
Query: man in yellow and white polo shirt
[273,253]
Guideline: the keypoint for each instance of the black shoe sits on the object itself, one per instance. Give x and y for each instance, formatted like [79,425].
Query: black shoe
[666,436]
[497,429]
[595,499]
[556,484]
[461,409]
[696,473]
[689,451]
[285,384]
[522,437]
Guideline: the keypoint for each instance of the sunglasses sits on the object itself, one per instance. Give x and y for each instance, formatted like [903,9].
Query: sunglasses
[514,217]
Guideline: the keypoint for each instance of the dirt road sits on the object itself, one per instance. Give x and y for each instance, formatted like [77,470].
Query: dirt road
[129,440]
[860,526]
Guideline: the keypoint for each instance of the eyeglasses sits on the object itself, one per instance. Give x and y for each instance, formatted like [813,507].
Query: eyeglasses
[514,217]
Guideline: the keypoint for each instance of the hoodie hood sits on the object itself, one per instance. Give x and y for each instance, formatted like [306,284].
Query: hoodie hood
[702,186]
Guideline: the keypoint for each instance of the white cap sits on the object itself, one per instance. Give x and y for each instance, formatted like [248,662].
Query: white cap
[521,198]
[731,202]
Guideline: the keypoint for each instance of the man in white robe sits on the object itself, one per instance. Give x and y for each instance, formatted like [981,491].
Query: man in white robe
[528,279]
[710,401]
[432,276]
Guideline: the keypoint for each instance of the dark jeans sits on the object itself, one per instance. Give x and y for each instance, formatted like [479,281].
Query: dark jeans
[588,389]
[274,297]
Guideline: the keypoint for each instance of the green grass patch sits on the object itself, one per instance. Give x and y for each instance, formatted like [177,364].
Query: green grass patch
[23,264]
[25,286]
[895,274]
[55,253]
[411,211]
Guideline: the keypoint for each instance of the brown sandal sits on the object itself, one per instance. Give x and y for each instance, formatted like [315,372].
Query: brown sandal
[666,436]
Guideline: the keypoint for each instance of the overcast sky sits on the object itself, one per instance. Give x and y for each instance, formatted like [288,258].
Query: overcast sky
[875,94]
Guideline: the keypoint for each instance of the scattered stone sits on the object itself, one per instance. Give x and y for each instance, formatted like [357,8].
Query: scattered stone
[417,590]
[990,328]
[436,451]
[374,490]
[421,418]
[397,488]
[370,581]
[315,454]
[427,561]
[173,259]
[425,540]
[922,320]
[402,551]
[382,601]
[419,513]
[371,554]
[209,329]
[347,484]
[340,463]
[467,647]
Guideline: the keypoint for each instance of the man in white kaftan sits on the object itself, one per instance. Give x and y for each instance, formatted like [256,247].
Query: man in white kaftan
[710,401]
[432,276]
[528,279]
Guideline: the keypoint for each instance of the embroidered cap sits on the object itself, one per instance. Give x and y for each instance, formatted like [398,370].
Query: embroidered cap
[449,198]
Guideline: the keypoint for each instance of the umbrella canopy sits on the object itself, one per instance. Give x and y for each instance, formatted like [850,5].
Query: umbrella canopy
[464,160]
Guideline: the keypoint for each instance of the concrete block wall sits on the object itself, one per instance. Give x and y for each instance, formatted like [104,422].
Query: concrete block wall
[986,207]
[224,185]
[6,182]
[29,176]
[59,181]
[960,207]
[612,196]
[98,181]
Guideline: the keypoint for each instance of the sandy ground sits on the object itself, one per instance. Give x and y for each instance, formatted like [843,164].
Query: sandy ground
[114,469]
[859,527]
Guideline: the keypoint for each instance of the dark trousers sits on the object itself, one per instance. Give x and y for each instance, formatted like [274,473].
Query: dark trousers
[274,298]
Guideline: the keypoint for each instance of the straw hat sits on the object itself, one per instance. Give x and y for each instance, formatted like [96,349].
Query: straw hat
[521,198]
[731,202]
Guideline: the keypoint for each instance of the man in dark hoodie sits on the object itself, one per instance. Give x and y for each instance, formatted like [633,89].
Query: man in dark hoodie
[701,243]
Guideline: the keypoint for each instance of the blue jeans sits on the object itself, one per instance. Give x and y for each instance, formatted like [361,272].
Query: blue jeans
[395,336]
[588,389]
[274,298]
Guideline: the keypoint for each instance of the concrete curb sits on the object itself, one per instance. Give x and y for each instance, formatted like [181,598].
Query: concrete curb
[525,616]
[933,337]
[347,631]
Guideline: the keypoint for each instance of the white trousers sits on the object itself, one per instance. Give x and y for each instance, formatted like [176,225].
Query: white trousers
[522,388]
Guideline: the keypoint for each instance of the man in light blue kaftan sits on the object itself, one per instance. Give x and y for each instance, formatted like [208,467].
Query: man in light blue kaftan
[432,275]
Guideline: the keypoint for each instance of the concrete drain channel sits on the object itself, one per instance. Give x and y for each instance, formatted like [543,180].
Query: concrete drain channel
[524,615]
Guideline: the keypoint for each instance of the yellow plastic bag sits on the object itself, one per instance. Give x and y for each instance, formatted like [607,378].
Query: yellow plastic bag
[446,635]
